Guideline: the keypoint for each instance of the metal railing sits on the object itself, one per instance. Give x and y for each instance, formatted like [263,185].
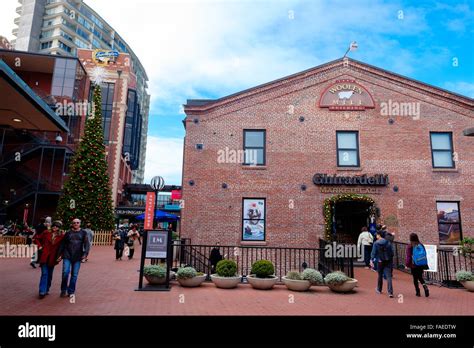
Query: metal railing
[449,262]
[284,259]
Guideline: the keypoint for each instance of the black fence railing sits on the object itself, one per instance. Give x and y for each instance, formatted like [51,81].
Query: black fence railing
[285,259]
[449,262]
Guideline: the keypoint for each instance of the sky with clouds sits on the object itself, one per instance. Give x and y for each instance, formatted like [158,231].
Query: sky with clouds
[209,49]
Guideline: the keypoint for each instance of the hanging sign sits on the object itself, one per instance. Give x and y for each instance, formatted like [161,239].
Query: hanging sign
[149,210]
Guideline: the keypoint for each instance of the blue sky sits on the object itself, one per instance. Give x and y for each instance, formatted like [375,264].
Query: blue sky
[209,49]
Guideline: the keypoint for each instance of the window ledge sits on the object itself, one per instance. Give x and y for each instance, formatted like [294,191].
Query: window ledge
[252,243]
[349,168]
[253,167]
[452,170]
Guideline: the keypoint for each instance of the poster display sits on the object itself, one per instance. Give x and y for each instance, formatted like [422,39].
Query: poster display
[432,256]
[157,245]
[253,219]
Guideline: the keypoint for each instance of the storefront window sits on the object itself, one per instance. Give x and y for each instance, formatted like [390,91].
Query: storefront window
[449,222]
[347,149]
[253,216]
[442,150]
[254,147]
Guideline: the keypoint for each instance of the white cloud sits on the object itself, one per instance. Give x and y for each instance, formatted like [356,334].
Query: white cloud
[164,157]
[7,15]
[221,47]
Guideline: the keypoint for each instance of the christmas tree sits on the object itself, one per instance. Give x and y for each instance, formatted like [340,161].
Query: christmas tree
[87,194]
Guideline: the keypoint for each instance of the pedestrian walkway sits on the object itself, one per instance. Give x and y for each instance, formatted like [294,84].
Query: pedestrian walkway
[106,287]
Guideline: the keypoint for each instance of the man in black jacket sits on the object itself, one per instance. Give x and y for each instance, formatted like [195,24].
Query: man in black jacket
[382,252]
[73,250]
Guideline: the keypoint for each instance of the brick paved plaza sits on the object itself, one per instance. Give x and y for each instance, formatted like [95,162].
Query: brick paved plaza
[106,287]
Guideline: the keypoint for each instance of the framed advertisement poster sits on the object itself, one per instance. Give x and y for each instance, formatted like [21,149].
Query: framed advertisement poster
[253,219]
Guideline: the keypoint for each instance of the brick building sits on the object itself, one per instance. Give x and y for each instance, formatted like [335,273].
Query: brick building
[122,117]
[323,152]
[62,85]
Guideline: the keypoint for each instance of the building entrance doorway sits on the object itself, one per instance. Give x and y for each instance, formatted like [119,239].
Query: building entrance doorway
[349,218]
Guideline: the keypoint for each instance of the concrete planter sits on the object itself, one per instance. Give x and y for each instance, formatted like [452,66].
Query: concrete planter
[225,282]
[192,282]
[262,283]
[469,285]
[155,280]
[296,285]
[344,287]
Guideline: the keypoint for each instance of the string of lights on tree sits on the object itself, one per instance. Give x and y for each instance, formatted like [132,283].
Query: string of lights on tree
[87,194]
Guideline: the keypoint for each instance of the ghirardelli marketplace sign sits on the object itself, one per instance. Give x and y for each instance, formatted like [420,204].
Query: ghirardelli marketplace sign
[362,180]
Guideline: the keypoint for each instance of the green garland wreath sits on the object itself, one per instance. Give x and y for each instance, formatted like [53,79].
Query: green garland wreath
[329,203]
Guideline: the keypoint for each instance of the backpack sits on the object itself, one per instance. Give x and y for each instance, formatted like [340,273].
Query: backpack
[385,252]
[419,255]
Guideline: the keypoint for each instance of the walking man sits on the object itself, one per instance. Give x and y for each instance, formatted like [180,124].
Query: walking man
[73,250]
[382,251]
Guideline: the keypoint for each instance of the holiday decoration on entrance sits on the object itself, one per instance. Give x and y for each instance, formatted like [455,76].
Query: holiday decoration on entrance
[87,194]
[329,204]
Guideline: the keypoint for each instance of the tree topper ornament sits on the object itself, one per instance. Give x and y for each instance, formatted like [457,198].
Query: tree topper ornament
[98,75]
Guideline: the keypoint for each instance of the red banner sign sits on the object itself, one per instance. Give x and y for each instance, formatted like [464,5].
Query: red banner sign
[149,210]
[175,194]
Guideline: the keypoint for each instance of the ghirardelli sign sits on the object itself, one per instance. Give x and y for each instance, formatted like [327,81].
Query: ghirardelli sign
[363,180]
[346,95]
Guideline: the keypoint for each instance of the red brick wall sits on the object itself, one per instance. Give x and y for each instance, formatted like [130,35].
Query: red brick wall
[297,150]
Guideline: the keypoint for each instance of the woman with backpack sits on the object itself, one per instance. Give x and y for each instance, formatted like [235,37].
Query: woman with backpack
[417,261]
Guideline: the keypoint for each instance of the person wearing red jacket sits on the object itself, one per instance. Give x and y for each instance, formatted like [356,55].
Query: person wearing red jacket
[48,242]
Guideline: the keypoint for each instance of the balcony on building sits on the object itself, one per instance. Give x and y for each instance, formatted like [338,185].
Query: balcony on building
[39,130]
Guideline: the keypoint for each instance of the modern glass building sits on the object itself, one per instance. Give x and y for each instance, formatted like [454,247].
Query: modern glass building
[60,27]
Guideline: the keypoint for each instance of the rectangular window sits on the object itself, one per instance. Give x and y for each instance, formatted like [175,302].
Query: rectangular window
[64,46]
[108,90]
[449,222]
[253,219]
[347,143]
[254,147]
[46,45]
[442,149]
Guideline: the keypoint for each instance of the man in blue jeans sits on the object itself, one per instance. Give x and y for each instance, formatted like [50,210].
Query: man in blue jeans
[73,250]
[382,251]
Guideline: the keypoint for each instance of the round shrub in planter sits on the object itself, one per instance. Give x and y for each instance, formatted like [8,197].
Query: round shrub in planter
[466,278]
[155,274]
[339,282]
[188,277]
[295,282]
[226,277]
[262,275]
[313,276]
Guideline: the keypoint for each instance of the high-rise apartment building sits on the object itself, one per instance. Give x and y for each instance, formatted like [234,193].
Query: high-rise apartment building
[61,27]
